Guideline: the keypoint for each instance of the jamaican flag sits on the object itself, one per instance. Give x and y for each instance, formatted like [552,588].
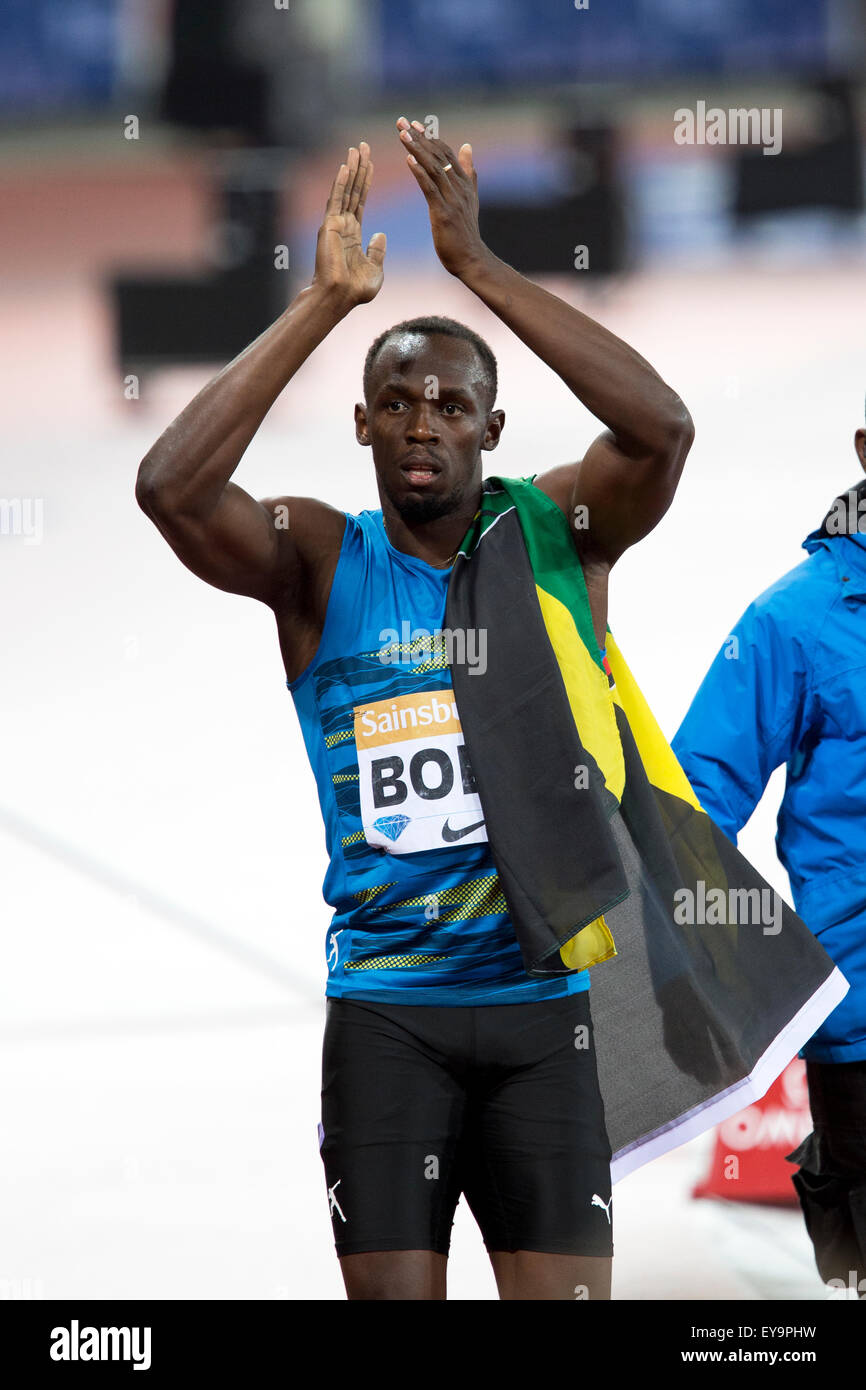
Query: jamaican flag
[708,983]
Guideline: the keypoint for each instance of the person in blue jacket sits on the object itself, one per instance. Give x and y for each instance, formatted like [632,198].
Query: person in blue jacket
[789,686]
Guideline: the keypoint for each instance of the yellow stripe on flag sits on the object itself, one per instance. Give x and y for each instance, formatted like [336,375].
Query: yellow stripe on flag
[656,754]
[587,689]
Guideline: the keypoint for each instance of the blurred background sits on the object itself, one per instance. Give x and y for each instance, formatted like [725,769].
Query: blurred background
[164,165]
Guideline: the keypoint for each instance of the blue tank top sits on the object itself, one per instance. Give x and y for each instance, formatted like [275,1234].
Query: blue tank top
[419,913]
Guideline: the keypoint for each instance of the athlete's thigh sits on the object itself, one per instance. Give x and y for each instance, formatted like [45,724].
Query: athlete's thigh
[539,1178]
[395,1274]
[392,1115]
[530,1274]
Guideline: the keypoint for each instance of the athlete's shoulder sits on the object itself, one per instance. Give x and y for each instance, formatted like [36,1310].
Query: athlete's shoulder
[557,484]
[313,528]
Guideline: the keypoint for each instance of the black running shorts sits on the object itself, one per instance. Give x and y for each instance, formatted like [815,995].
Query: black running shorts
[500,1103]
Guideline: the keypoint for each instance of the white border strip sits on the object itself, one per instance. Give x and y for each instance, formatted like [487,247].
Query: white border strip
[487,530]
[769,1065]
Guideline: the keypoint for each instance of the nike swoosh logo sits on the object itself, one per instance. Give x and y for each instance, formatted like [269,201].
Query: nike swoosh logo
[449,835]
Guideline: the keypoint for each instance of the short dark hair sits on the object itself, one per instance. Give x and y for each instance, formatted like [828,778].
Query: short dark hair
[430,324]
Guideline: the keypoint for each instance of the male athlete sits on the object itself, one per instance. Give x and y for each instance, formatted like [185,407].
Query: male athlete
[446,1069]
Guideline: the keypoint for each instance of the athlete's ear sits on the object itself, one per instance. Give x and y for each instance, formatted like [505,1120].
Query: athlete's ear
[495,426]
[361,430]
[860,446]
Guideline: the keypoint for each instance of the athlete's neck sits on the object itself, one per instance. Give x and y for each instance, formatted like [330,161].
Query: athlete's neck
[435,542]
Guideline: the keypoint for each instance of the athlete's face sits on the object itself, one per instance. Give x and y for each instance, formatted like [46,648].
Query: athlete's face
[427,419]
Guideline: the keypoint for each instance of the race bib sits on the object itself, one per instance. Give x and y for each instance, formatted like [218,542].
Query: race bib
[416,785]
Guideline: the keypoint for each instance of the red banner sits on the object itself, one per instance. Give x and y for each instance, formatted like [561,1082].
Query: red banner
[748,1163]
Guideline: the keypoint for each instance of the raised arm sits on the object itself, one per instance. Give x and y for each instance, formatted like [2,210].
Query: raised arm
[216,528]
[628,476]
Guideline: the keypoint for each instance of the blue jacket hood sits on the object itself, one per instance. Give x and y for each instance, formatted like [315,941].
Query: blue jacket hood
[843,533]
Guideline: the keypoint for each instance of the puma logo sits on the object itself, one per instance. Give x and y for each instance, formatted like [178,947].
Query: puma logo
[597,1202]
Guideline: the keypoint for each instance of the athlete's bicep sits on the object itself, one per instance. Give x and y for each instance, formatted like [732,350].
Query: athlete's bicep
[240,545]
[613,499]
